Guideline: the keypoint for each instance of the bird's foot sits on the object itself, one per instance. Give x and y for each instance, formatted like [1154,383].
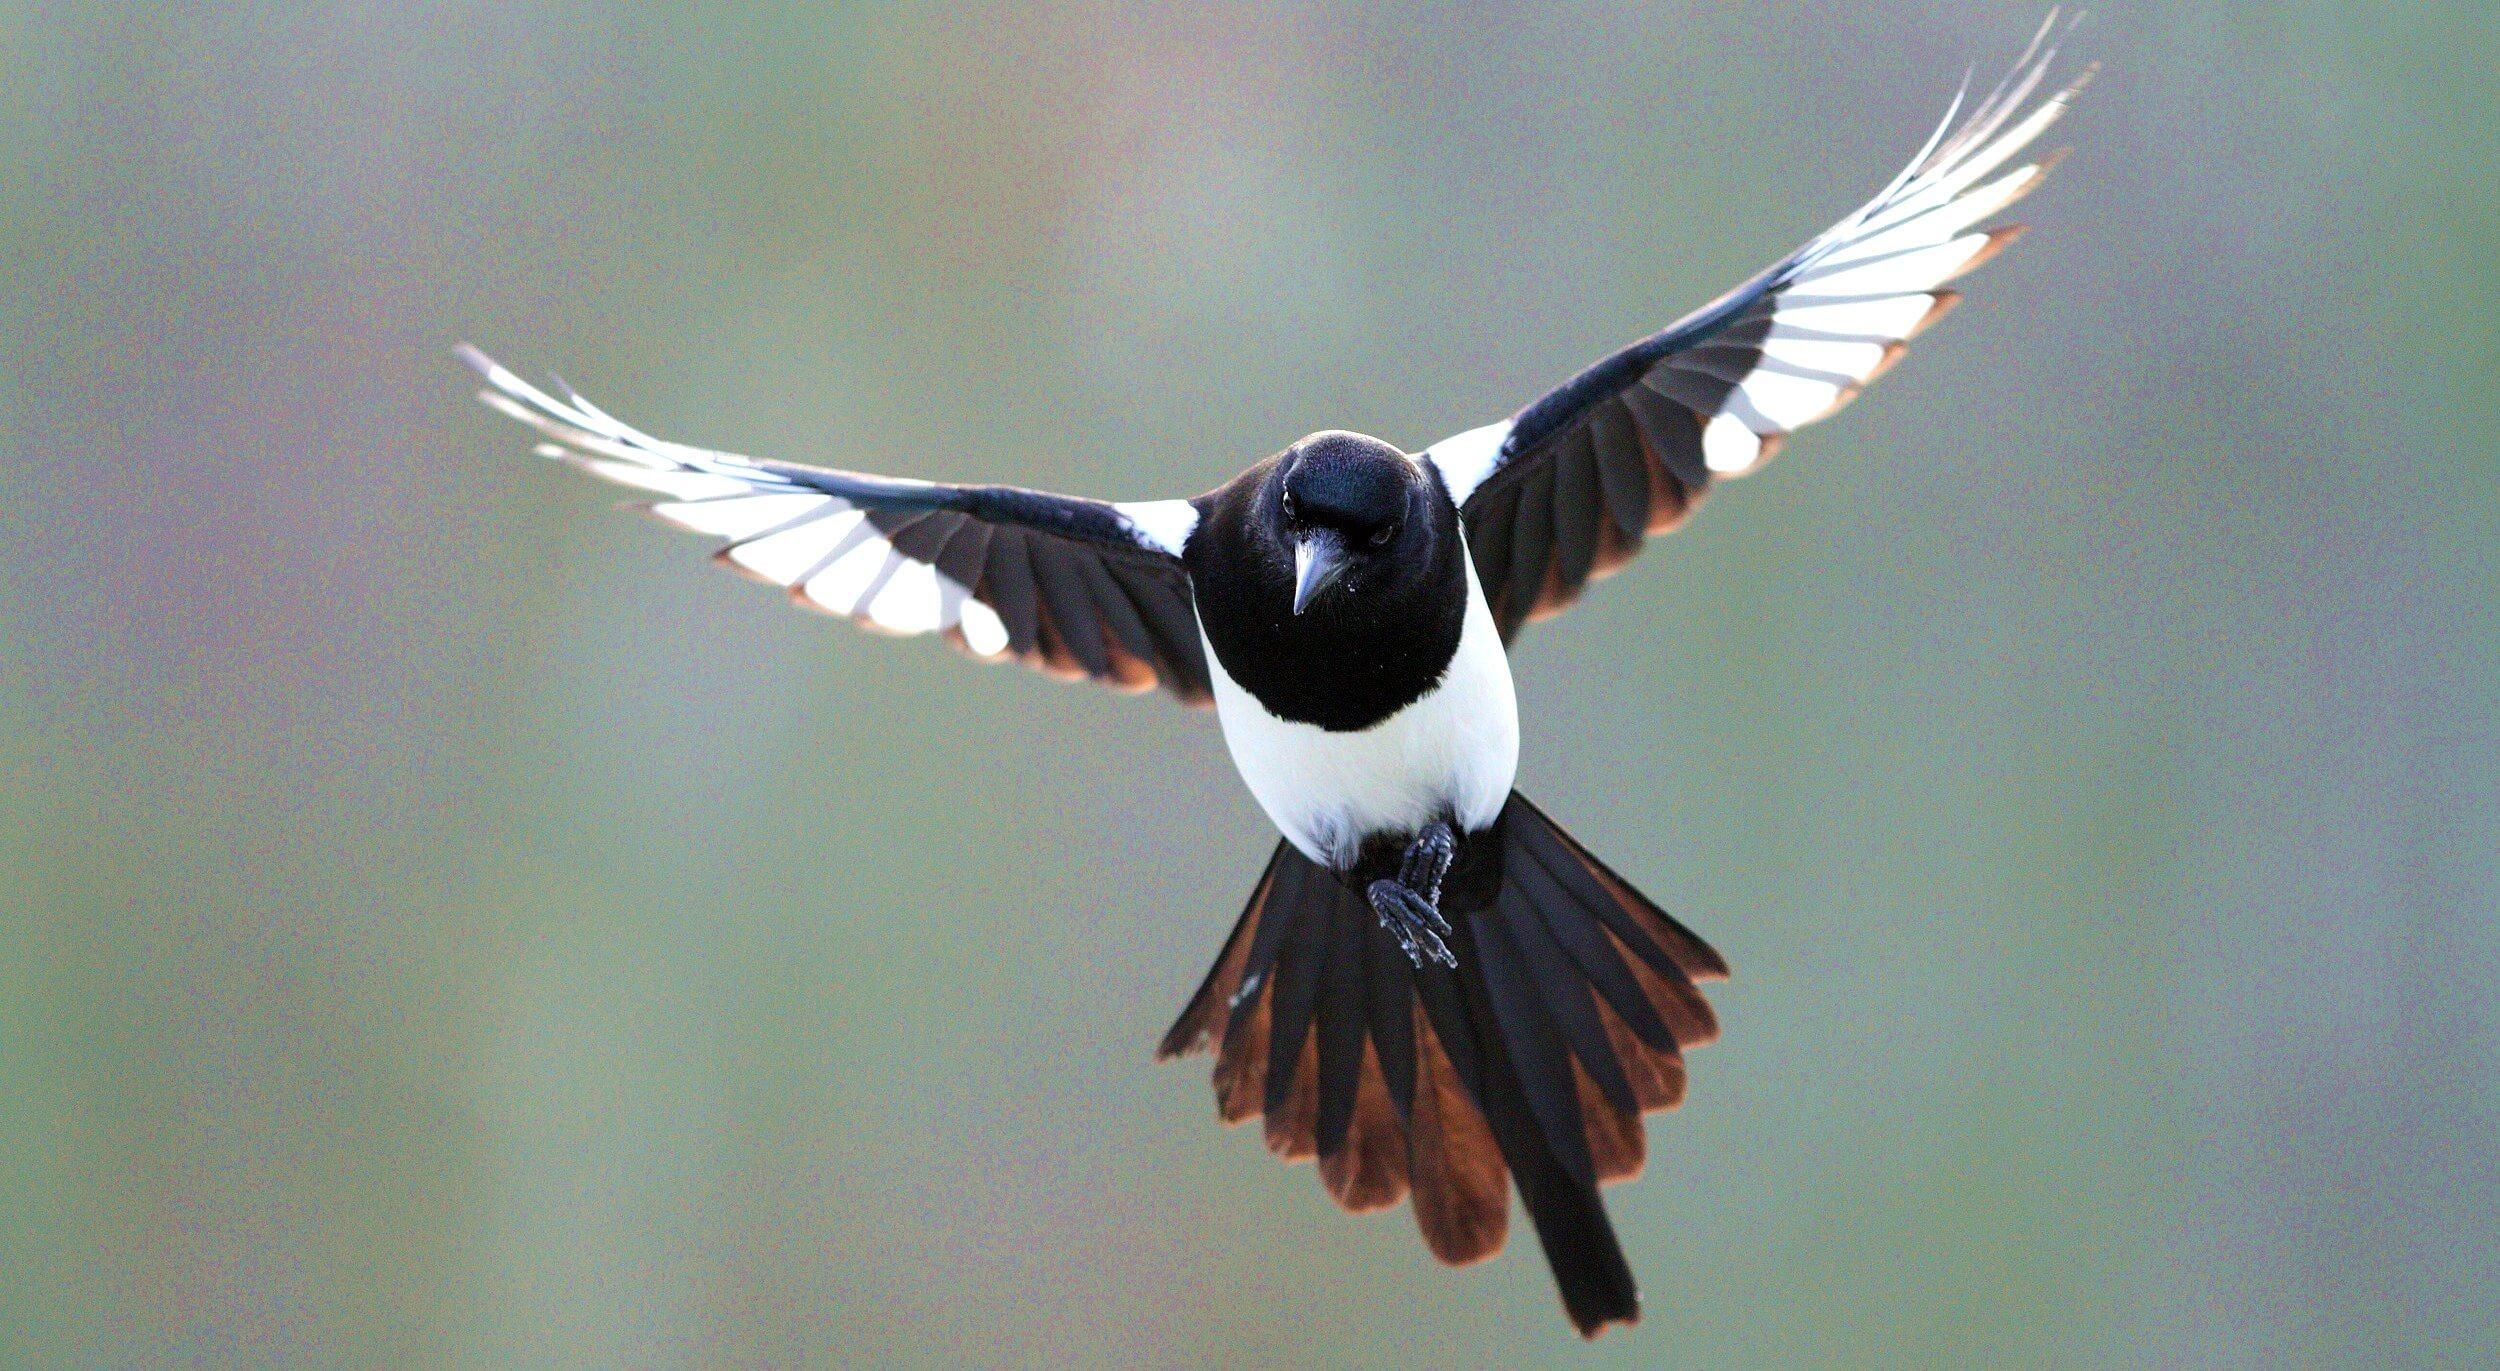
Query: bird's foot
[1428,860]
[1410,906]
[1412,920]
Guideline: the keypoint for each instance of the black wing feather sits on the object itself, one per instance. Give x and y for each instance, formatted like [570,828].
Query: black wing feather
[1059,573]
[1579,508]
[1787,347]
[1068,585]
[1514,596]
[1622,469]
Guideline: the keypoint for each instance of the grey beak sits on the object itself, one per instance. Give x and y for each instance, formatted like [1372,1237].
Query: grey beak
[1318,560]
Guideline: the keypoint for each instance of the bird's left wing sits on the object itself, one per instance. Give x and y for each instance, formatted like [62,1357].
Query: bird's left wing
[1076,588]
[1564,491]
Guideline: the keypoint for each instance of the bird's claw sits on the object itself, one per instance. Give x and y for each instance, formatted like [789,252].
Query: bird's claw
[1410,906]
[1413,921]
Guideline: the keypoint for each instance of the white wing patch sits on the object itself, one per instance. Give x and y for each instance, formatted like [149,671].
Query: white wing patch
[1841,307]
[820,547]
[1728,447]
[1165,524]
[1854,295]
[1465,459]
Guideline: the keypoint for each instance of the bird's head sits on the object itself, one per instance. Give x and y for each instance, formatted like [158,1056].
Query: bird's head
[1354,511]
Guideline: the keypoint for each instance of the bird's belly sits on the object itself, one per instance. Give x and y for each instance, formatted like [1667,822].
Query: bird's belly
[1451,753]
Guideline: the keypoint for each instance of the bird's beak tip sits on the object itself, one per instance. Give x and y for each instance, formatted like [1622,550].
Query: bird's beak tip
[1317,562]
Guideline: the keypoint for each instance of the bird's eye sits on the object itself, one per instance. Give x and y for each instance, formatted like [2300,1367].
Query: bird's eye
[1381,535]
[1288,503]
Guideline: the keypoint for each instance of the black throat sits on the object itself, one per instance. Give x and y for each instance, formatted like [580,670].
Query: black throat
[1356,655]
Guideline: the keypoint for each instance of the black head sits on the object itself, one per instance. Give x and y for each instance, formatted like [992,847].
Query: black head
[1351,508]
[1331,580]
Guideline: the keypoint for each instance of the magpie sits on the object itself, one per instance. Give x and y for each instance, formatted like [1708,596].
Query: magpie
[1434,989]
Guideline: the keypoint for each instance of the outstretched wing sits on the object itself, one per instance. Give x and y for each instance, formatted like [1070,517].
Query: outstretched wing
[1076,588]
[1564,491]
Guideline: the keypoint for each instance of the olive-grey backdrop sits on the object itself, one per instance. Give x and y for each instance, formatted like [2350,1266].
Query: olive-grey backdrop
[447,922]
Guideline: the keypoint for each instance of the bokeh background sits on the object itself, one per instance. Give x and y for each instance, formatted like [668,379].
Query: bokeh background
[446,922]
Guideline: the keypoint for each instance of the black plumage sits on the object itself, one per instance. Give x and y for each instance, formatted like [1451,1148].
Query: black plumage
[1520,586]
[1354,659]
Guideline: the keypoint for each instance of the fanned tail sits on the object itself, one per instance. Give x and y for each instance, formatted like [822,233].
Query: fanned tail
[1530,1064]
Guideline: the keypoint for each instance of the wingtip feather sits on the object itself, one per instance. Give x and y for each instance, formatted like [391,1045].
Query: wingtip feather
[1999,239]
[1945,301]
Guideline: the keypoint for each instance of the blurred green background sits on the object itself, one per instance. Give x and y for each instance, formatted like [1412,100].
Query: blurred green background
[443,921]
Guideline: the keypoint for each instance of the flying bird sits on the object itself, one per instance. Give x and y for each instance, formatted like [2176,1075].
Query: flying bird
[1434,990]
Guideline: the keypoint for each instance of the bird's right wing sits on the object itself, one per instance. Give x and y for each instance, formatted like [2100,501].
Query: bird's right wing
[1564,491]
[1076,588]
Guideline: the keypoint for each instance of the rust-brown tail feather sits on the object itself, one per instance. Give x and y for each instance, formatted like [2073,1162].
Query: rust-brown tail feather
[1529,1065]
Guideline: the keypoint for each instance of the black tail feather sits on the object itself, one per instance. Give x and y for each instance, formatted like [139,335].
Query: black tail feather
[1344,1022]
[1590,1270]
[1512,1019]
[1528,1065]
[1527,1095]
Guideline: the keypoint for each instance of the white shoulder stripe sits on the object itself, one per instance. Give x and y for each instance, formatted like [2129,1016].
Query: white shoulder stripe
[1465,459]
[1165,524]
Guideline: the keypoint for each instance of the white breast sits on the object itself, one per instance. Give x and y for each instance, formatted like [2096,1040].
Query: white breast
[1453,751]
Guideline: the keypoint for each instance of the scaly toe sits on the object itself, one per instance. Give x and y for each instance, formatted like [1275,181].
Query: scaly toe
[1413,921]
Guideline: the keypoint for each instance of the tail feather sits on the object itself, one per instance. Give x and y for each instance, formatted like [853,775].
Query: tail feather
[1241,1068]
[1617,1142]
[1529,1065]
[1389,1006]
[1657,1072]
[1294,996]
[1527,1097]
[1462,1185]
[1292,1122]
[1513,1016]
[1697,959]
[1344,1025]
[1368,1170]
[1568,1001]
